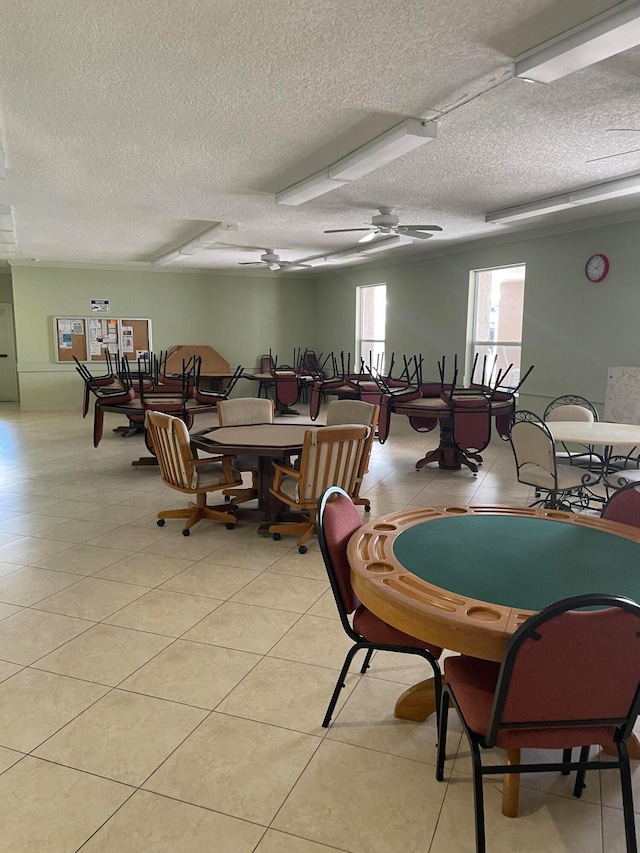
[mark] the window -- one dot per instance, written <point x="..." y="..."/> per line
<point x="498" y="303"/>
<point x="370" y="328"/>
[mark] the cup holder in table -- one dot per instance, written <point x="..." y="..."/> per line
<point x="379" y="568"/>
<point x="384" y="527"/>
<point x="456" y="510"/>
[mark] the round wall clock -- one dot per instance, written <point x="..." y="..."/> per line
<point x="597" y="267"/>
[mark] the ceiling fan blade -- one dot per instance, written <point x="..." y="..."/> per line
<point x="421" y="227"/>
<point x="274" y="267"/>
<point x="294" y="265"/>
<point x="368" y="237"/>
<point x="249" y="263"/>
<point x="345" y="230"/>
<point x="418" y="235"/>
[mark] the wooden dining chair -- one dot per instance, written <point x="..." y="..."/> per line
<point x="356" y="412"/>
<point x="542" y="696"/>
<point x="181" y="470"/>
<point x="330" y="457"/>
<point x="244" y="411"/>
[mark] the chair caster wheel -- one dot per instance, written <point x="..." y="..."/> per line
<point x="277" y="537"/>
<point x="186" y="532"/>
<point x="302" y="549"/>
<point x="367" y="508"/>
<point x="161" y="522"/>
<point x="230" y="525"/>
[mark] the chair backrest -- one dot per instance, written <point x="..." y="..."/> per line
<point x="266" y="363"/>
<point x="356" y="412"/>
<point x="556" y="657"/>
<point x="531" y="441"/>
<point x="170" y="439"/>
<point x="330" y="457"/>
<point x="287" y="386"/>
<point x="338" y="520"/>
<point x="245" y="410"/>
<point x="470" y="423"/>
<point x="570" y="407"/>
<point x="624" y="505"/>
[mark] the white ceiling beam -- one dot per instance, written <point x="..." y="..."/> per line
<point x="586" y="195"/>
<point x="599" y="38"/>
<point x="385" y="148"/>
<point x="207" y="240"/>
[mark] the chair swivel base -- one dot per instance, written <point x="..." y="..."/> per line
<point x="306" y="528"/>
<point x="194" y="513"/>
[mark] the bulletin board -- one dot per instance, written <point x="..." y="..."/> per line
<point x="70" y="338"/>
<point x="104" y="334"/>
<point x="135" y="336"/>
<point x="89" y="338"/>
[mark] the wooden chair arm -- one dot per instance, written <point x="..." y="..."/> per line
<point x="282" y="471"/>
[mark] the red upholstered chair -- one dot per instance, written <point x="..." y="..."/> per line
<point x="470" y="429"/>
<point x="570" y="677"/>
<point x="338" y="519"/>
<point x="624" y="505"/>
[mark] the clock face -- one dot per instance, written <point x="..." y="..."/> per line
<point x="597" y="267"/>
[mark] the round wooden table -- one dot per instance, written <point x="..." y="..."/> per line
<point x="465" y="578"/>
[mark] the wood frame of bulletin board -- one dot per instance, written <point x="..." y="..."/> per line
<point x="87" y="338"/>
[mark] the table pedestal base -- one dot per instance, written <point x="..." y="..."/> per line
<point x="447" y="454"/>
<point x="417" y="702"/>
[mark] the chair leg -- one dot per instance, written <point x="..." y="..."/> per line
<point x="340" y="682"/>
<point x="367" y="661"/>
<point x="478" y="798"/>
<point x="566" y="756"/>
<point x="442" y="736"/>
<point x="580" y="776"/>
<point x="627" y="798"/>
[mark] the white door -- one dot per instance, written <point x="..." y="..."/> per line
<point x="8" y="372"/>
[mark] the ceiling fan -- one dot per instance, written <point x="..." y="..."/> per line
<point x="271" y="260"/>
<point x="386" y="222"/>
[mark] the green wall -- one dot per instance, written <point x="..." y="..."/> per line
<point x="573" y="329"/>
<point x="241" y="316"/>
<point x="6" y="291"/>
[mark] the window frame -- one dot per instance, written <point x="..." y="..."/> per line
<point x="359" y="339"/>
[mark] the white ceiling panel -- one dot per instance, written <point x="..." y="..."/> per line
<point x="130" y="128"/>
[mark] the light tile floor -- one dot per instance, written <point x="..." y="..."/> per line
<point x="159" y="693"/>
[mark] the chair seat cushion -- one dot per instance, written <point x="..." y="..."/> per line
<point x="535" y="475"/>
<point x="375" y="630"/>
<point x="211" y="475"/>
<point x="473" y="682"/>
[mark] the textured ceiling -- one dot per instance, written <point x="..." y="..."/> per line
<point x="129" y="128"/>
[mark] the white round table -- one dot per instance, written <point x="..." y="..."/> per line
<point x="602" y="433"/>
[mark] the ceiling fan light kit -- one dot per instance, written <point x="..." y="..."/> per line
<point x="390" y="145"/>
<point x="603" y="36"/>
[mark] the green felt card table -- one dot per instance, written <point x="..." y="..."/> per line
<point x="465" y="578"/>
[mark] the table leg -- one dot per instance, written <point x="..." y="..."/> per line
<point x="511" y="786"/>
<point x="447" y="454"/>
<point x="417" y="702"/>
<point x="633" y="745"/>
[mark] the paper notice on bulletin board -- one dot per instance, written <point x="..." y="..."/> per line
<point x="127" y="339"/>
<point x="94" y="348"/>
<point x="65" y="340"/>
<point x="77" y="328"/>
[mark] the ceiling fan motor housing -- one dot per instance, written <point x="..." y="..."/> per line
<point x="385" y="219"/>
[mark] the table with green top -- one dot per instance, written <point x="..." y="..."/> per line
<point x="465" y="578"/>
